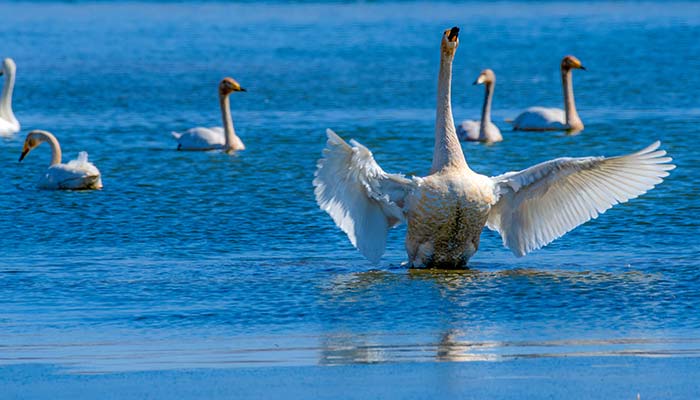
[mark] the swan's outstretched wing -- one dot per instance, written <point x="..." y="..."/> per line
<point x="541" y="203"/>
<point x="363" y="200"/>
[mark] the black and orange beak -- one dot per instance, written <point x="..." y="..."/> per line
<point x="454" y="33"/>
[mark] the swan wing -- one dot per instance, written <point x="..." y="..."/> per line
<point x="363" y="200"/>
<point x="200" y="138"/>
<point x="539" y="204"/>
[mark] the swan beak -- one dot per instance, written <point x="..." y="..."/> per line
<point x="240" y="89"/>
<point x="582" y="67"/>
<point x="24" y="153"/>
<point x="454" y="33"/>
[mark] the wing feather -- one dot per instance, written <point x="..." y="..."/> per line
<point x="539" y="204"/>
<point x="363" y="200"/>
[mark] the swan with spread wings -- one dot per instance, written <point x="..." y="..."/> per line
<point x="447" y="210"/>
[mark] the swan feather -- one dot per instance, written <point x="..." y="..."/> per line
<point x="363" y="200"/>
<point x="540" y="204"/>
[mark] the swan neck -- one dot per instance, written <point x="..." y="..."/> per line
<point x="6" y="96"/>
<point x="229" y="132"/>
<point x="55" y="148"/>
<point x="448" y="151"/>
<point x="486" y="110"/>
<point x="572" y="117"/>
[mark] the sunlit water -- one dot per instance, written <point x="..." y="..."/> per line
<point x="204" y="259"/>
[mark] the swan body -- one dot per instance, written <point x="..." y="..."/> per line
<point x="483" y="130"/>
<point x="541" y="118"/>
<point x="470" y="131"/>
<point x="78" y="174"/>
<point x="214" y="138"/>
<point x="447" y="210"/>
<point x="555" y="119"/>
<point x="8" y="122"/>
<point x="201" y="138"/>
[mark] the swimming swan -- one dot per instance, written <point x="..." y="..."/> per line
<point x="447" y="210"/>
<point x="483" y="130"/>
<point x="215" y="138"/>
<point x="8" y="123"/>
<point x="555" y="119"/>
<point x="78" y="174"/>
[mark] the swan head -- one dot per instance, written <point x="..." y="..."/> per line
<point x="228" y="86"/>
<point x="450" y="40"/>
<point x="8" y="66"/>
<point x="486" y="76"/>
<point x="571" y="62"/>
<point x="34" y="139"/>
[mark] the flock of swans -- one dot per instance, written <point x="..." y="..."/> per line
<point x="446" y="210"/>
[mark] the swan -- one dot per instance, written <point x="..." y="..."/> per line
<point x="555" y="119"/>
<point x="8" y="123"/>
<point x="78" y="174"/>
<point x="215" y="138"/>
<point x="447" y="210"/>
<point x="483" y="130"/>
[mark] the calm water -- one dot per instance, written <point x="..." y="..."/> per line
<point x="204" y="259"/>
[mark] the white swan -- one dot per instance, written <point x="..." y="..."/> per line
<point x="447" y="210"/>
<point x="78" y="174"/>
<point x="555" y="119"/>
<point x="483" y="130"/>
<point x="215" y="138"/>
<point x="8" y="123"/>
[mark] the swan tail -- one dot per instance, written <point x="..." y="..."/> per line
<point x="176" y="135"/>
<point x="82" y="157"/>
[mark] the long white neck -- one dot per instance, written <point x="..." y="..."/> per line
<point x="6" y="97"/>
<point x="55" y="147"/>
<point x="572" y="118"/>
<point x="229" y="132"/>
<point x="447" y="152"/>
<point x="486" y="110"/>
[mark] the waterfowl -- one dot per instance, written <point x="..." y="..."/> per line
<point x="483" y="130"/>
<point x="555" y="119"/>
<point x="215" y="138"/>
<point x="78" y="174"/>
<point x="8" y="123"/>
<point x="447" y="210"/>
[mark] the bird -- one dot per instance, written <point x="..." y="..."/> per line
<point x="447" y="210"/>
<point x="215" y="138"/>
<point x="483" y="130"/>
<point x="555" y="119"/>
<point x="8" y="122"/>
<point x="78" y="174"/>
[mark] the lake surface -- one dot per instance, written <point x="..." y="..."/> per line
<point x="188" y="260"/>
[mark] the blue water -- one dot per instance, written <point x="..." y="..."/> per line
<point x="204" y="259"/>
